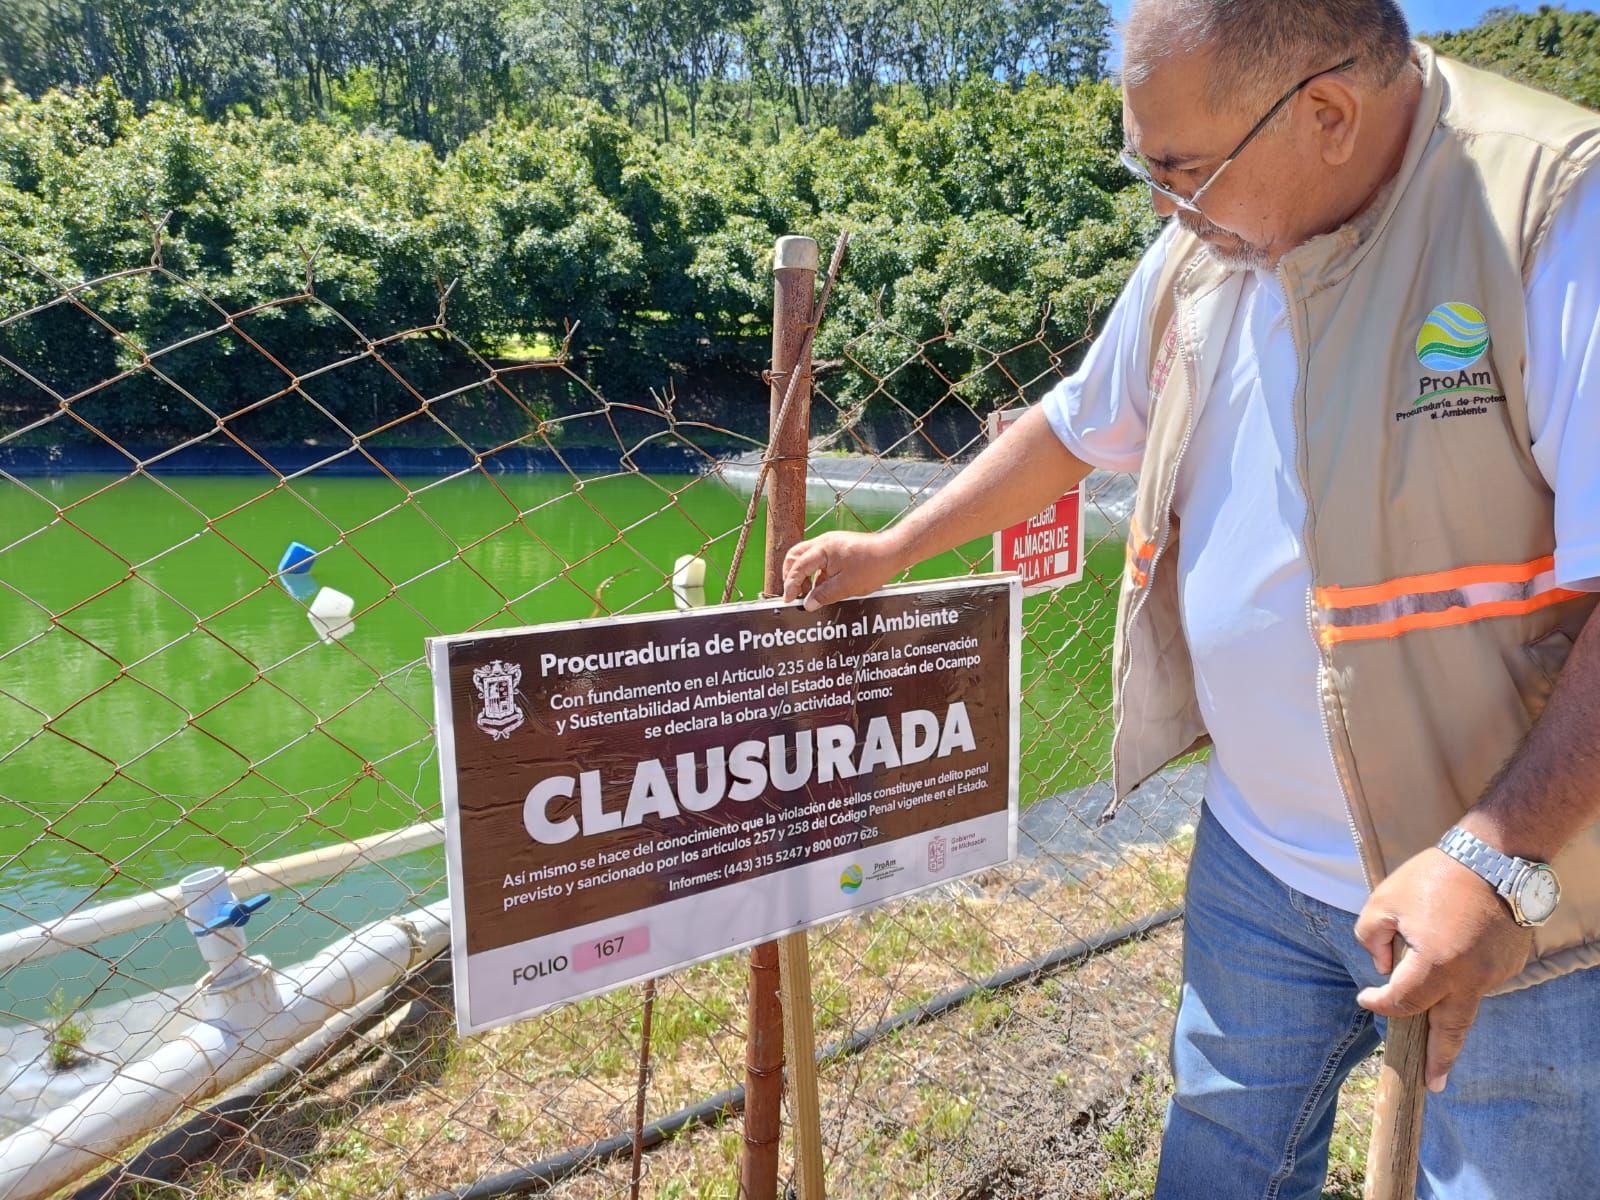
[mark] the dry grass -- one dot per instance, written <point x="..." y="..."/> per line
<point x="1132" y="1136"/>
<point x="943" y="1108"/>
<point x="1052" y="1089"/>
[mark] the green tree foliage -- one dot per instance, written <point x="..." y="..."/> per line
<point x="999" y="215"/>
<point x="1552" y="49"/>
<point x="533" y="151"/>
<point x="438" y="70"/>
<point x="209" y="54"/>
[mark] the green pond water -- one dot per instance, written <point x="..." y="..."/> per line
<point x="165" y="703"/>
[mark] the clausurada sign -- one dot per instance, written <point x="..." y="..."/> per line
<point x="629" y="795"/>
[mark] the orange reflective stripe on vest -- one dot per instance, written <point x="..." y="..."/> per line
<point x="1385" y="610"/>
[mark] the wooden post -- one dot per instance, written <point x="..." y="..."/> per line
<point x="794" y="289"/>
<point x="1397" y="1112"/>
<point x="793" y="296"/>
<point x="795" y="273"/>
<point x="763" y="1079"/>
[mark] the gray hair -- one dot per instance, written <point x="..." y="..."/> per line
<point x="1264" y="46"/>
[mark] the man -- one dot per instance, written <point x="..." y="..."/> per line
<point x="1360" y="375"/>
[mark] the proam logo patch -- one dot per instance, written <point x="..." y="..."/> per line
<point x="1453" y="341"/>
<point x="1455" y="335"/>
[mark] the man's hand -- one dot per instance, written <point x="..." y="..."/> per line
<point x="1462" y="945"/>
<point x="1010" y="481"/>
<point x="839" y="565"/>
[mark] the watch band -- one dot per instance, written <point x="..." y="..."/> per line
<point x="1530" y="889"/>
<point x="1477" y="855"/>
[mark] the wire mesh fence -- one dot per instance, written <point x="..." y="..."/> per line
<point x="226" y="527"/>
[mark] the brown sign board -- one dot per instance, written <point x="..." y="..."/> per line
<point x="626" y="796"/>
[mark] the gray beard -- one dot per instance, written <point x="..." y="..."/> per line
<point x="1246" y="258"/>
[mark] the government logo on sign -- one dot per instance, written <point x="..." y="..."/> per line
<point x="497" y="682"/>
<point x="850" y="879"/>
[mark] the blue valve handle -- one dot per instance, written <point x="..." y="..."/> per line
<point x="239" y="914"/>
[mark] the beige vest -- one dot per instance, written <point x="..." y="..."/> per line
<point x="1430" y="529"/>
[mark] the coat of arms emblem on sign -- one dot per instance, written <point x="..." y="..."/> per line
<point x="497" y="685"/>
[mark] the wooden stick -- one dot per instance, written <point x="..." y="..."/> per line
<point x="1397" y="1115"/>
<point x="800" y="1044"/>
<point x="643" y="1090"/>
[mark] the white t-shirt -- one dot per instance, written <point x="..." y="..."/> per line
<point x="1243" y="574"/>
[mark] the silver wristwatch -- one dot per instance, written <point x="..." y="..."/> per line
<point x="1529" y="888"/>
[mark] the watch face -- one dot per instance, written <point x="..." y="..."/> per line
<point x="1538" y="895"/>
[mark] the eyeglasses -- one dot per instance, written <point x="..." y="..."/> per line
<point x="1140" y="169"/>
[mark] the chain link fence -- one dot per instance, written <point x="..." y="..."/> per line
<point x="226" y="529"/>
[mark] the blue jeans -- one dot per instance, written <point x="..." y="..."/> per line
<point x="1269" y="1028"/>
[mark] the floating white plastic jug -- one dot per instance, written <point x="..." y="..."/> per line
<point x="689" y="582"/>
<point x="330" y="614"/>
<point x="689" y="572"/>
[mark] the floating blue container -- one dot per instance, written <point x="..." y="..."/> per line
<point x="297" y="559"/>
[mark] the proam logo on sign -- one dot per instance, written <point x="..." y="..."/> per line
<point x="1452" y="341"/>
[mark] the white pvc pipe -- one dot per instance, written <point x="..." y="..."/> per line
<point x="207" y="896"/>
<point x="92" y="925"/>
<point x="89" y="1130"/>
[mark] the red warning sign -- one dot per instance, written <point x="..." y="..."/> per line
<point x="1047" y="549"/>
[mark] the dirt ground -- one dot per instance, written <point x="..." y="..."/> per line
<point x="1052" y="1088"/>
